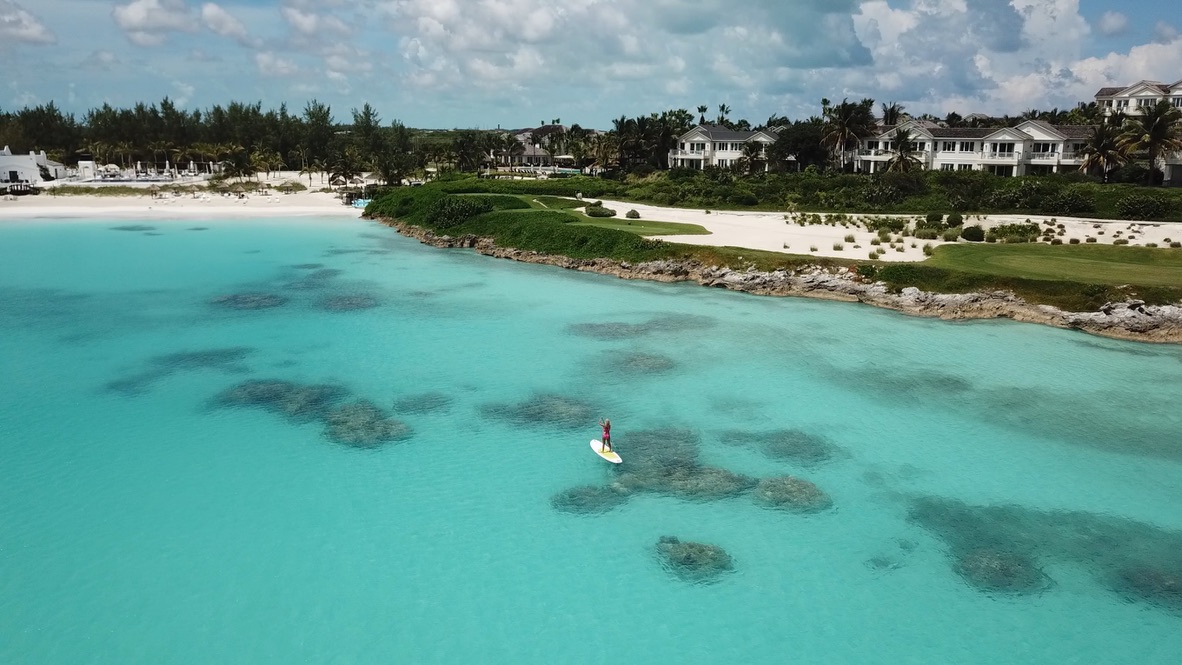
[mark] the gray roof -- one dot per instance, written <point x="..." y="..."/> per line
<point x="720" y="133"/>
<point x="1108" y="92"/>
<point x="1076" y="131"/>
<point x="962" y="132"/>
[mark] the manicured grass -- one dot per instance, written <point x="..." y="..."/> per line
<point x="556" y="202"/>
<point x="1094" y="264"/>
<point x="644" y="227"/>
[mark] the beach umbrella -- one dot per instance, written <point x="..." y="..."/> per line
<point x="238" y="189"/>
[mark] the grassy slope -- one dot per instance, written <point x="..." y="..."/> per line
<point x="1099" y="264"/>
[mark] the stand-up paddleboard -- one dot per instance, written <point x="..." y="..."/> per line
<point x="610" y="455"/>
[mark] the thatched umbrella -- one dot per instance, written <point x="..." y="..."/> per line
<point x="238" y="189"/>
<point x="154" y="189"/>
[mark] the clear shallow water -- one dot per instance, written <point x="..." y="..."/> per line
<point x="141" y="523"/>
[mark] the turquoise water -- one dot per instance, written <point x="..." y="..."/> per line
<point x="143" y="521"/>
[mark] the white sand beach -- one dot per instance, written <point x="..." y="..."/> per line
<point x="166" y="205"/>
<point x="770" y="232"/>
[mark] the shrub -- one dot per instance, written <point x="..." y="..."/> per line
<point x="1069" y="201"/>
<point x="1176" y="244"/>
<point x="597" y="210"/>
<point x="837" y="247"/>
<point x="927" y="234"/>
<point x="1151" y="244"/>
<point x="1028" y="230"/>
<point x="873" y="254"/>
<point x="1120" y="241"/>
<point x="850" y="238"/>
<point x="451" y="211"/>
<point x="951" y="235"/>
<point x="1073" y="241"/>
<point x="812" y="248"/>
<point x="928" y="249"/>
<point x="1056" y="241"/>
<point x="875" y="241"/>
<point x="1016" y="240"/>
<point x="632" y="214"/>
<point x="954" y="219"/>
<point x="1090" y="240"/>
<point x="973" y="233"/>
<point x="1142" y="206"/>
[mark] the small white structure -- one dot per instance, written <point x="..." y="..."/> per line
<point x="30" y="169"/>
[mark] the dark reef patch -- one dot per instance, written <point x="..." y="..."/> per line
<point x="140" y="228"/>
<point x="999" y="548"/>
<point x="294" y="401"/>
<point x="641" y="364"/>
<point x="422" y="403"/>
<point x="362" y="424"/>
<point x="792" y="494"/>
<point x="794" y="445"/>
<point x="249" y="301"/>
<point x="197" y="228"/>
<point x="348" y="303"/>
<point x="153" y="233"/>
<point x="308" y="266"/>
<point x="588" y="500"/>
<point x="698" y="483"/>
<point x="614" y="330"/>
<point x="229" y="360"/>
<point x="315" y="280"/>
<point x="544" y="410"/>
<point x="693" y="562"/>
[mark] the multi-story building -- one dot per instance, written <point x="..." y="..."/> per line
<point x="1031" y="148"/>
<point x="1141" y="94"/>
<point x="715" y="145"/>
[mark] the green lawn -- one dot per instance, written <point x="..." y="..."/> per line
<point x="643" y="227"/>
<point x="1089" y="264"/>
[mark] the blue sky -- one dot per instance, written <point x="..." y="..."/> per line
<point x="514" y="63"/>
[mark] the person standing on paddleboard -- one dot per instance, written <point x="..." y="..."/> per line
<point x="606" y="424"/>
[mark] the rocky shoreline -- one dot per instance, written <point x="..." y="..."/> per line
<point x="1131" y="320"/>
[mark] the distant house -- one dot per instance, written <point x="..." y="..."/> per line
<point x="1131" y="99"/>
<point x="715" y="145"/>
<point x="1033" y="147"/>
<point x="29" y="169"/>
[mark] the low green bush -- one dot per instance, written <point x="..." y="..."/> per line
<point x="452" y="211"/>
<point x="1056" y="241"/>
<point x="1090" y="240"/>
<point x="597" y="210"/>
<point x="837" y="247"/>
<point x="954" y="219"/>
<point x="632" y="214"/>
<point x="951" y="235"/>
<point x="850" y="238"/>
<point x="1176" y="244"/>
<point x="1120" y="241"/>
<point x="1142" y="206"/>
<point x="927" y="234"/>
<point x="1073" y="241"/>
<point x="973" y="233"/>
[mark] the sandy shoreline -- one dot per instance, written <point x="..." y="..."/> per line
<point x="166" y="205"/>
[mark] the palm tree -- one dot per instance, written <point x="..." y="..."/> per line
<point x="1157" y="131"/>
<point x="753" y="157"/>
<point x="845" y="123"/>
<point x="702" y="113"/>
<point x="1103" y="151"/>
<point x="904" y="159"/>
<point x="308" y="170"/>
<point x="158" y="147"/>
<point x="723" y="112"/>
<point x="892" y="113"/>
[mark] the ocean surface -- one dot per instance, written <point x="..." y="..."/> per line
<point x="180" y="484"/>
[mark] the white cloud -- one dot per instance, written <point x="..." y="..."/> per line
<point x="1164" y="33"/>
<point x="270" y="64"/>
<point x="1113" y="23"/>
<point x="311" y="24"/>
<point x="148" y="22"/>
<point x="221" y="22"/>
<point x="184" y="93"/>
<point x="18" y="25"/>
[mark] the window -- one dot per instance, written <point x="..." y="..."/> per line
<point x="968" y="146"/>
<point x="872" y="145"/>
<point x="1122" y="103"/>
<point x="683" y="146"/>
<point x="1002" y="148"/>
<point x="964" y="167"/>
<point x="947" y="167"/>
<point x="1108" y="103"/>
<point x="737" y="147"/>
<point x="948" y="146"/>
<point x="1146" y="101"/>
<point x="722" y="162"/>
<point x="1045" y="148"/>
<point x="1176" y="102"/>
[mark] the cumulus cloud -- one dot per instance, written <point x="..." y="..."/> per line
<point x="148" y="22"/>
<point x="1113" y="23"/>
<point x="221" y="22"/>
<point x="498" y="43"/>
<point x="1164" y="33"/>
<point x="312" y="24"/>
<point x="270" y="64"/>
<point x="18" y="25"/>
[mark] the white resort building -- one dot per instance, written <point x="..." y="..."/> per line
<point x="1141" y="94"/>
<point x="715" y="145"/>
<point x="29" y="169"/>
<point x="1032" y="148"/>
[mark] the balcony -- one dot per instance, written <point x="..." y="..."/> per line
<point x="1043" y="156"/>
<point x="688" y="154"/>
<point x="1001" y="156"/>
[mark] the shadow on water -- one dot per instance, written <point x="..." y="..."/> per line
<point x="1002" y="549"/>
<point x="227" y="360"/>
<point x="133" y="228"/>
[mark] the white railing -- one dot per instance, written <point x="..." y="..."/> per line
<point x="1044" y="155"/>
<point x="1000" y="155"/>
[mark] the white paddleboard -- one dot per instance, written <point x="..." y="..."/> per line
<point x="610" y="455"/>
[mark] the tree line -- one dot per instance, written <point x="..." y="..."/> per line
<point x="243" y="139"/>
